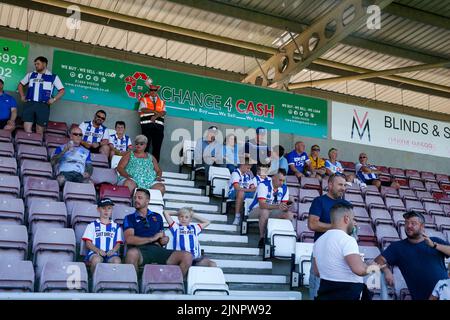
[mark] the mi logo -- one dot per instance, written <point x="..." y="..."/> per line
<point x="360" y="126"/>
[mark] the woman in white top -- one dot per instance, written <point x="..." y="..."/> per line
<point x="333" y="166"/>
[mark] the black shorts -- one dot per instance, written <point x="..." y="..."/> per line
<point x="36" y="111"/>
<point x="152" y="253"/>
<point x="95" y="150"/>
<point x="72" y="176"/>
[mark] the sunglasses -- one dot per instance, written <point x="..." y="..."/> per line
<point x="363" y="157"/>
<point x="100" y="117"/>
<point x="154" y="90"/>
<point x="315" y="149"/>
<point x="140" y="143"/>
<point x="146" y="225"/>
<point x="77" y="134"/>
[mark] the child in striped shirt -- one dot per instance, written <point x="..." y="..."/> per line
<point x="103" y="237"/>
<point x="185" y="235"/>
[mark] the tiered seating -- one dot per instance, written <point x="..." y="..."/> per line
<point x="110" y="277"/>
<point x="380" y="216"/>
<point x="303" y="210"/>
<point x="13" y="242"/>
<point x="310" y="183"/>
<point x="23" y="137"/>
<point x="304" y="234"/>
<point x="43" y="213"/>
<point x="99" y="160"/>
<point x="206" y="281"/>
<point x="8" y="165"/>
<point x="118" y="194"/>
<point x="281" y="238"/>
<point x="16" y="276"/>
<point x="11" y="210"/>
<point x="57" y="128"/>
<point x="6" y="149"/>
<point x="104" y="175"/>
<point x="308" y="195"/>
<point x="5" y="136"/>
<point x="36" y="168"/>
<point x="56" y="277"/>
<point x="159" y="279"/>
<point x="303" y="252"/>
<point x="31" y="152"/>
<point x="82" y="214"/>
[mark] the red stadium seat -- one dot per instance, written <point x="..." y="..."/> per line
<point x="116" y="193"/>
<point x="49" y="214"/>
<point x="36" y="168"/>
<point x="348" y="166"/>
<point x="303" y="232"/>
<point x="9" y="186"/>
<point x="110" y="277"/>
<point x="397" y="173"/>
<point x="355" y="199"/>
<point x="292" y="181"/>
<point x="83" y="213"/>
<point x="54" y="141"/>
<point x="16" y="276"/>
<point x="303" y="210"/>
<point x="386" y="234"/>
<point x="6" y="149"/>
<point x="5" y="136"/>
<point x="381" y="216"/>
<point x="310" y="183"/>
<point x="428" y="176"/>
<point x="40" y="187"/>
<point x="26" y="151"/>
<point x="157" y="279"/>
<point x="120" y="211"/>
<point x="374" y="202"/>
<point x="395" y="204"/>
<point x="407" y="194"/>
<point x="104" y="175"/>
<point x="433" y="208"/>
<point x="13" y="242"/>
<point x="366" y="235"/>
<point x="11" y="211"/>
<point x="56" y="277"/>
<point x="412" y="174"/>
<point x="23" y="137"/>
<point x="99" y="160"/>
<point x="8" y="165"/>
<point x="57" y="127"/>
<point x="361" y="214"/>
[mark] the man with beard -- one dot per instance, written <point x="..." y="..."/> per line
<point x="419" y="258"/>
<point x="144" y="235"/>
<point x="337" y="260"/>
<point x="319" y="219"/>
<point x="95" y="134"/>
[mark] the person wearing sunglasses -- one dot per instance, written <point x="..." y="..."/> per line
<point x="96" y="135"/>
<point x="152" y="111"/>
<point x="140" y="169"/>
<point x="368" y="174"/>
<point x="72" y="160"/>
<point x="317" y="164"/>
<point x="333" y="166"/>
<point x="145" y="238"/>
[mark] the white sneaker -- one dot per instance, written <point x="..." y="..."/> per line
<point x="237" y="220"/>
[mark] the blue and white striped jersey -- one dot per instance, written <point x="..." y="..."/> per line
<point x="103" y="236"/>
<point x="185" y="238"/>
<point x="92" y="134"/>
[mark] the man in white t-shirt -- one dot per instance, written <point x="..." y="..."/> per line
<point x="337" y="259"/>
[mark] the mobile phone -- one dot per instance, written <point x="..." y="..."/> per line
<point x="289" y="202"/>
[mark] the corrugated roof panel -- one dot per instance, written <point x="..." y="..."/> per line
<point x="438" y="7"/>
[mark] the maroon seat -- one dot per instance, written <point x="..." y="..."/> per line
<point x="355" y="199"/>
<point x="57" y="276"/>
<point x="374" y="202"/>
<point x="325" y="184"/>
<point x="41" y="187"/>
<point x="26" y="151"/>
<point x="57" y="127"/>
<point x="6" y="149"/>
<point x="23" y="137"/>
<point x="303" y="232"/>
<point x="380" y="216"/>
<point x="441" y="197"/>
<point x="414" y="205"/>
<point x="43" y="213"/>
<point x="397" y="173"/>
<point x="5" y="136"/>
<point x="120" y="211"/>
<point x="79" y="191"/>
<point x="116" y="193"/>
<point x="425" y="196"/>
<point x="292" y="181"/>
<point x="9" y="185"/>
<point x="303" y="210"/>
<point x="447" y="234"/>
<point x="310" y="183"/>
<point x="293" y="193"/>
<point x="407" y="194"/>
<point x="52" y="244"/>
<point x="433" y="208"/>
<point x="83" y="213"/>
<point x="348" y="166"/>
<point x="308" y="195"/>
<point x="8" y="165"/>
<point x="398" y="219"/>
<point x="435" y="233"/>
<point x="442" y="223"/>
<point x="16" y="276"/>
<point x="416" y="185"/>
<point x="353" y="188"/>
<point x="366" y="235"/>
<point x="395" y="204"/>
<point x="427" y="176"/>
<point x="99" y="160"/>
<point x="446" y="208"/>
<point x="442" y="178"/>
<point x="386" y="234"/>
<point x="412" y="174"/>
<point x="104" y="175"/>
<point x="13" y="242"/>
<point x="54" y="141"/>
<point x="403" y="182"/>
<point x="36" y="168"/>
<point x="11" y="211"/>
<point x="370" y="191"/>
<point x="432" y="187"/>
<point x="110" y="277"/>
<point x="361" y="214"/>
<point x="162" y="279"/>
<point x="370" y="252"/>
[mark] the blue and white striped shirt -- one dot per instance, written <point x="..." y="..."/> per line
<point x="185" y="238"/>
<point x="103" y="236"/>
<point x="92" y="134"/>
<point x="120" y="144"/>
<point x="40" y="85"/>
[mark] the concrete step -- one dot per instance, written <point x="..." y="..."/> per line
<point x="231" y="250"/>
<point x="285" y="295"/>
<point x="222" y="238"/>
<point x="186" y="198"/>
<point x="197" y="207"/>
<point x="213" y="227"/>
<point x="178" y="182"/>
<point x="244" y="264"/>
<point x="257" y="287"/>
<point x="184" y="190"/>
<point x="255" y="278"/>
<point x="175" y="175"/>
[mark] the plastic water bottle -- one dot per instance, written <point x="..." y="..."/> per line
<point x="355" y="233"/>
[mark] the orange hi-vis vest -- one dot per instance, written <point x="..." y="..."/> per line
<point x="159" y="106"/>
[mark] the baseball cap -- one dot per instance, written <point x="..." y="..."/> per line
<point x="105" y="202"/>
<point x="260" y="130"/>
<point x="1" y="80"/>
<point x="411" y="214"/>
<point x="212" y="128"/>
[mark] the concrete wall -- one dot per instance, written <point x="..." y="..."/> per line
<point x="75" y="112"/>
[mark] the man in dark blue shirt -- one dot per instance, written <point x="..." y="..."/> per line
<point x="8" y="110"/>
<point x="298" y="160"/>
<point x="319" y="219"/>
<point x="144" y="235"/>
<point x="419" y="258"/>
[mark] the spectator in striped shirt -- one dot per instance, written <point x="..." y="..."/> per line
<point x="119" y="142"/>
<point x="103" y="237"/>
<point x="95" y="134"/>
<point x="333" y="166"/>
<point x="185" y="235"/>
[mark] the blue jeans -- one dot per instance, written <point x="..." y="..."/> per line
<point x="314" y="282"/>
